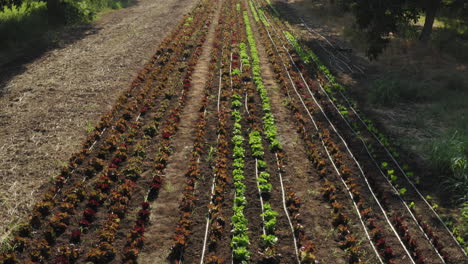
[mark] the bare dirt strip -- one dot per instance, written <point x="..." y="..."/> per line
<point x="45" y="110"/>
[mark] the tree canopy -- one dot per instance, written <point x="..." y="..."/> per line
<point x="379" y="19"/>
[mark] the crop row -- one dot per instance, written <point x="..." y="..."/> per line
<point x="268" y="215"/>
<point x="270" y="132"/>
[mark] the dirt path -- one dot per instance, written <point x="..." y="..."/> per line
<point x="166" y="213"/>
<point x="46" y="109"/>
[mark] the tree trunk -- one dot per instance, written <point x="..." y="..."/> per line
<point x="431" y="11"/>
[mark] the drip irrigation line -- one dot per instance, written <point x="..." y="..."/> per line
<point x="219" y="89"/>
<point x="208" y="218"/>
<point x="260" y="195"/>
<point x="230" y="70"/>
<point x="245" y="103"/>
<point x="283" y="198"/>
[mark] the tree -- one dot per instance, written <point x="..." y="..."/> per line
<point x="379" y="19"/>
<point x="9" y="3"/>
<point x="430" y="8"/>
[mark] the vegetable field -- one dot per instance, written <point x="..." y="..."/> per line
<point x="234" y="144"/>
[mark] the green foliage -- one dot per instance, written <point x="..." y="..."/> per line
<point x="269" y="240"/>
<point x="262" y="17"/>
<point x="402" y="191"/>
<point x="26" y="23"/>
<point x="395" y="88"/>
<point x="21" y="23"/>
<point x="265" y="187"/>
<point x="255" y="141"/>
<point x="236" y="72"/>
<point x="449" y="156"/>
<point x="261" y="164"/>
<point x="254" y="12"/>
<point x="379" y="21"/>
<point x="240" y="239"/>
<point x="272" y="7"/>
<point x="241" y="254"/>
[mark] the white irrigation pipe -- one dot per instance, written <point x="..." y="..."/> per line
<point x="219" y="90"/>
<point x="245" y="103"/>
<point x="208" y="218"/>
<point x="230" y="71"/>
<point x="283" y="196"/>
<point x="329" y="157"/>
<point x="383" y="174"/>
<point x="260" y="195"/>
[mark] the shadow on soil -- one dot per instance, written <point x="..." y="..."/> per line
<point x="16" y="64"/>
<point x="13" y="60"/>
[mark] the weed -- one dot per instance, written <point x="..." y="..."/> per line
<point x="449" y="155"/>
<point x="210" y="155"/>
<point x="168" y="187"/>
<point x="394" y="88"/>
<point x="383" y="91"/>
<point x="312" y="192"/>
<point x="89" y="127"/>
<point x="7" y="244"/>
